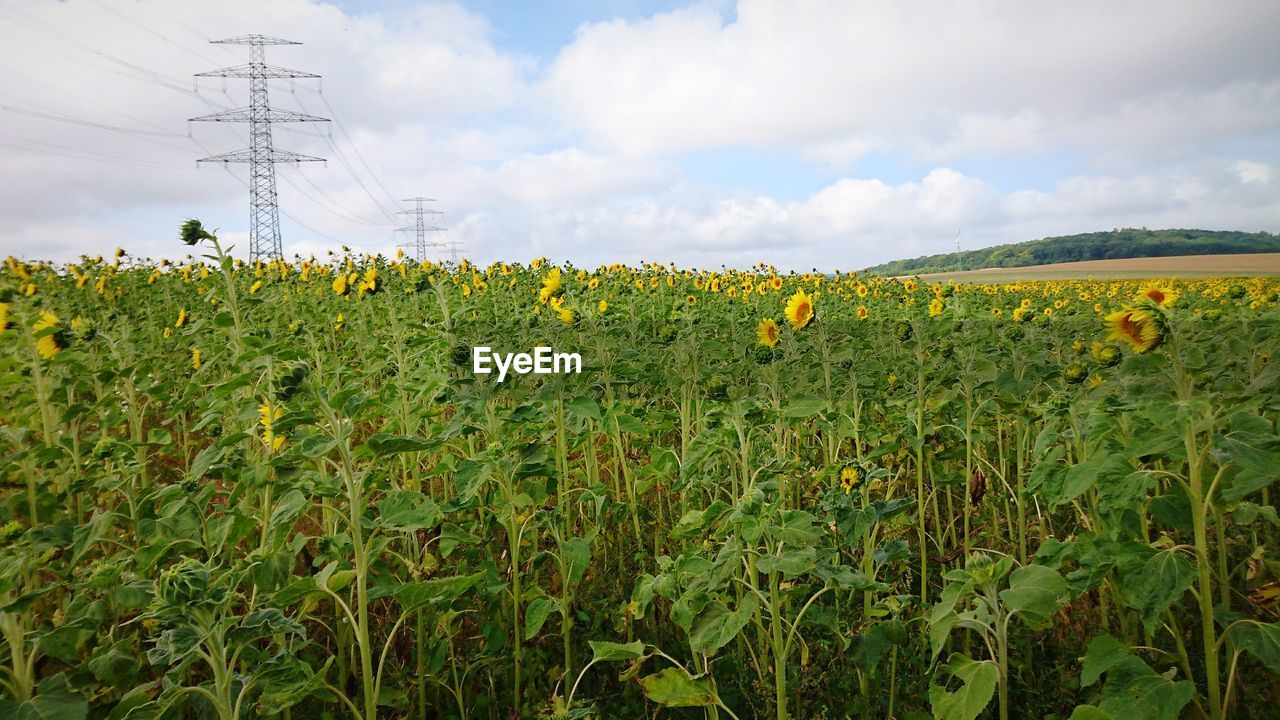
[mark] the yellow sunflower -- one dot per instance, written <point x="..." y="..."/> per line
<point x="4" y="316"/>
<point x="863" y="313"/>
<point x="550" y="285"/>
<point x="848" y="478"/>
<point x="195" y="359"/>
<point x="768" y="333"/>
<point x="1135" y="326"/>
<point x="799" y="310"/>
<point x="47" y="344"/>
<point x="1161" y="295"/>
<point x="268" y="414"/>
<point x="565" y="313"/>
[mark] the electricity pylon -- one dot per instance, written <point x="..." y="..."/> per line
<point x="264" y="210"/>
<point x="420" y="227"/>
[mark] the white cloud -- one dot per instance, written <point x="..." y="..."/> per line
<point x="943" y="79"/>
<point x="1167" y="114"/>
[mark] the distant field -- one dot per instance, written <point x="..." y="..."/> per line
<point x="1189" y="266"/>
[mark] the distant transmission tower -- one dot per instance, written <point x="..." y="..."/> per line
<point x="264" y="210"/>
<point x="420" y="227"/>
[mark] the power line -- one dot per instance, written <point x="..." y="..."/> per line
<point x="62" y="151"/>
<point x="347" y="165"/>
<point x="86" y="123"/>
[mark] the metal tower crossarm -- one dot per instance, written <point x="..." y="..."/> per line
<point x="248" y="71"/>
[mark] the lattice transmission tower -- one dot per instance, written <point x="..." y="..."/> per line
<point x="421" y="226"/>
<point x="264" y="209"/>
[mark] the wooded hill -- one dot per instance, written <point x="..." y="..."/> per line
<point x="1110" y="245"/>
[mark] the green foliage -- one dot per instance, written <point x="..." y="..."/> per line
<point x="1108" y="245"/>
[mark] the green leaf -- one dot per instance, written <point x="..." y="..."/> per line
<point x="1161" y="582"/>
<point x="674" y="687"/>
<point x="286" y="511"/>
<point x="406" y="511"/>
<point x="603" y="651"/>
<point x="118" y="665"/>
<point x="717" y="625"/>
<point x="1103" y="653"/>
<point x="54" y="700"/>
<point x="382" y="444"/>
<point x="440" y="590"/>
<point x="263" y="623"/>
<point x="1103" y="470"/>
<point x="803" y="407"/>
<point x="1033" y="594"/>
<point x="1090" y="712"/>
<point x="286" y="681"/>
<point x="1134" y="690"/>
<point x="578" y="553"/>
<point x="978" y="680"/>
<point x="1260" y="641"/>
<point x="536" y="615"/>
<point x="791" y="563"/>
<point x="1253" y="451"/>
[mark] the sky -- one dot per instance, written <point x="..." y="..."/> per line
<point x="807" y="133"/>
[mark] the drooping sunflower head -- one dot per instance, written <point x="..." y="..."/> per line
<point x="799" y="310"/>
<point x="1138" y="327"/>
<point x="1157" y="294"/>
<point x="192" y="232"/>
<point x="768" y="333"/>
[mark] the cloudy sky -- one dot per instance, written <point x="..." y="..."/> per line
<point x="829" y="134"/>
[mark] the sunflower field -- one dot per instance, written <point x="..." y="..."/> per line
<point x="240" y="490"/>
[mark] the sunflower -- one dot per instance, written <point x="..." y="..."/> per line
<point x="863" y="313"/>
<point x="691" y="300"/>
<point x="768" y="333"/>
<point x="195" y="359"/>
<point x="848" y="478"/>
<point x="935" y="307"/>
<point x="1161" y="296"/>
<point x="182" y="318"/>
<point x="256" y="287"/>
<point x="268" y="414"/>
<point x="340" y="286"/>
<point x="550" y="285"/>
<point x="603" y="306"/>
<point x="47" y="344"/>
<point x="799" y="310"/>
<point x="4" y="316"/>
<point x="565" y="313"/>
<point x="1135" y="326"/>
